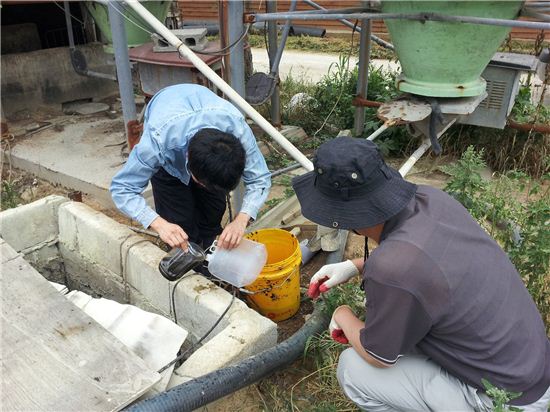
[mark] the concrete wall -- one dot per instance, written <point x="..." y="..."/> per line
<point x="46" y="77"/>
<point x="108" y="259"/>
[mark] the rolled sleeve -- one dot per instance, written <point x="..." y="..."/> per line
<point x="256" y="176"/>
<point x="129" y="183"/>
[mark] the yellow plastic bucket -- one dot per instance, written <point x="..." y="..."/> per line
<point x="277" y="288"/>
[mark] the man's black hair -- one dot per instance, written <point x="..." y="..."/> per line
<point x="216" y="159"/>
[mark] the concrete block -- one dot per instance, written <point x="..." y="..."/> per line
<point x="247" y="334"/>
<point x="294" y="133"/>
<point x="200" y="303"/>
<point x="141" y="272"/>
<point x="95" y="236"/>
<point x="91" y="278"/>
<point x="29" y="225"/>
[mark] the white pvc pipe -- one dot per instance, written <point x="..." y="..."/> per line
<point x="220" y="84"/>
<point x="407" y="166"/>
<point x="378" y="132"/>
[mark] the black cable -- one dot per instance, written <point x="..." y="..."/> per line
<point x="203" y="337"/>
<point x="219" y="52"/>
<point x="173" y="300"/>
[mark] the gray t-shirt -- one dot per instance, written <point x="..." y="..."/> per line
<point x="438" y="283"/>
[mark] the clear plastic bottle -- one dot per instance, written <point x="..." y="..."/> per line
<point x="239" y="266"/>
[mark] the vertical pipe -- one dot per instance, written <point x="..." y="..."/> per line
<point x="271" y="7"/>
<point x="69" y="23"/>
<point x="124" y="73"/>
<point x="236" y="26"/>
<point x="363" y="80"/>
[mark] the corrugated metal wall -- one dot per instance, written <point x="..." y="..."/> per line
<point x="203" y="10"/>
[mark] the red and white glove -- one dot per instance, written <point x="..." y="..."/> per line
<point x="329" y="276"/>
<point x="336" y="332"/>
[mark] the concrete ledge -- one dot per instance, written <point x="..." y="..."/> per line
<point x="27" y="226"/>
<point x="95" y="236"/>
<point x="247" y="334"/>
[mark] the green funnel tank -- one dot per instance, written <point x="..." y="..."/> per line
<point x="133" y="23"/>
<point x="446" y="59"/>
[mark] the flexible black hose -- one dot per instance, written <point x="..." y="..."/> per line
<point x="205" y="389"/>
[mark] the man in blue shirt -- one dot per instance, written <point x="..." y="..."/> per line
<point x="194" y="149"/>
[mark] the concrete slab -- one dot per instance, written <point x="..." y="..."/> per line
<point x="84" y="155"/>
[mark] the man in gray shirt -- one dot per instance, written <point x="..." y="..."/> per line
<point x="445" y="306"/>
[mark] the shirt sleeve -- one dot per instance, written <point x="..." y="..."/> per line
<point x="256" y="176"/>
<point x="395" y="322"/>
<point x="129" y="183"/>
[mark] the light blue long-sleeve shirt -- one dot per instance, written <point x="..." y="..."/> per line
<point x="172" y="118"/>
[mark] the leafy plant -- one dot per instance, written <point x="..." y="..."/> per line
<point x="500" y="397"/>
<point x="9" y="197"/>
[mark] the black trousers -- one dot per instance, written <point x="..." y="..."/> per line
<point x="196" y="209"/>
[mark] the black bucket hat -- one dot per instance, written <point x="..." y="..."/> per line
<point x="351" y="186"/>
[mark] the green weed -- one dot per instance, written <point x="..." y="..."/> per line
<point x="9" y="197"/>
<point x="500" y="397"/>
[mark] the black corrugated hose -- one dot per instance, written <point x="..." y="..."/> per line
<point x="205" y="389"/>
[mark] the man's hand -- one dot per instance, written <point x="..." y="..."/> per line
<point x="336" y="332"/>
<point x="233" y="232"/>
<point x="331" y="275"/>
<point x="170" y="233"/>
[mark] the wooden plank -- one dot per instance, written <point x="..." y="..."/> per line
<point x="57" y="358"/>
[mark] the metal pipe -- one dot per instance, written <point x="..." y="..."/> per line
<point x="235" y="11"/>
<point x="220" y="83"/>
<point x="236" y="28"/>
<point x="284" y="36"/>
<point x="69" y="24"/>
<point x="271" y="7"/>
<point x="416" y="16"/>
<point x="527" y="127"/>
<point x="77" y="58"/>
<point x="349" y="24"/>
<point x="124" y="73"/>
<point x="535" y="13"/>
<point x="407" y="166"/>
<point x="363" y="76"/>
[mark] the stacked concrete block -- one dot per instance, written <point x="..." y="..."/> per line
<point x="25" y="227"/>
<point x="103" y="257"/>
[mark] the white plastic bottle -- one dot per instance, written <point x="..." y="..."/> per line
<point x="239" y="266"/>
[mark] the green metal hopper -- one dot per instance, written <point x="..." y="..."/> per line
<point x="446" y="59"/>
<point x="135" y="35"/>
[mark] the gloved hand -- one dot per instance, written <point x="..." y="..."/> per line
<point x="336" y="332"/>
<point x="329" y="276"/>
